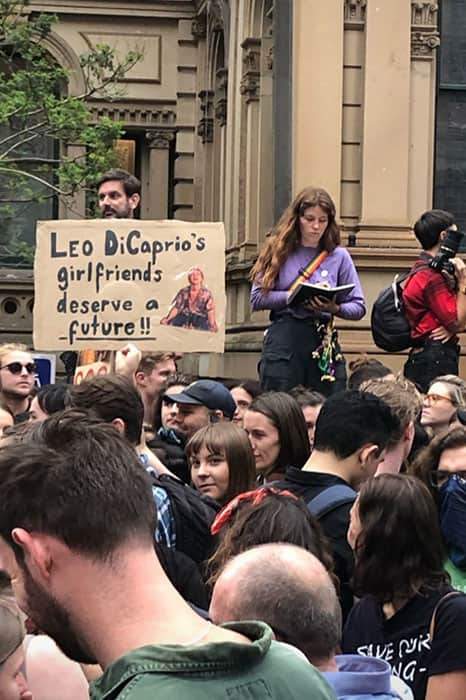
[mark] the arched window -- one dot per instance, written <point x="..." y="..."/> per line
<point x="23" y="149"/>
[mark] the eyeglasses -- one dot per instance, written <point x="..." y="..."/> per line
<point x="17" y="367"/>
<point x="435" y="398"/>
<point x="439" y="477"/>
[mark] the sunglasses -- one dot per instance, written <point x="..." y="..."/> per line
<point x="17" y="367"/>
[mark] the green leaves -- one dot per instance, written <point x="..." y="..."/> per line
<point x="39" y="119"/>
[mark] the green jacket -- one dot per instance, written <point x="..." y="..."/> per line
<point x="263" y="670"/>
<point x="458" y="576"/>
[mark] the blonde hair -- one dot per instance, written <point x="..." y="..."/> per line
<point x="6" y="348"/>
<point x="399" y="394"/>
<point x="195" y="269"/>
<point x="150" y="359"/>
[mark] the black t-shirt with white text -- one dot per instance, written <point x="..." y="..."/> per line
<point x="403" y="639"/>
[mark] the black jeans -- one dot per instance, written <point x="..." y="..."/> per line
<point x="287" y="358"/>
<point x="432" y="360"/>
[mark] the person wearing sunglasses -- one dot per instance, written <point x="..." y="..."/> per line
<point x="168" y="443"/>
<point x="442" y="467"/>
<point x="444" y="396"/>
<point x="17" y="377"/>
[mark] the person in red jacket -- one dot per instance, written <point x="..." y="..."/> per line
<point x="435" y="304"/>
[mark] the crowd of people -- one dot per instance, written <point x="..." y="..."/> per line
<point x="300" y="536"/>
<point x="149" y="517"/>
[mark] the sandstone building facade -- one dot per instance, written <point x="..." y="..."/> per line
<point x="237" y="104"/>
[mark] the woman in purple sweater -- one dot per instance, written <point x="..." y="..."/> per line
<point x="301" y="345"/>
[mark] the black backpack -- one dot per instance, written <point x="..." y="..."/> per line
<point x="193" y="513"/>
<point x="390" y="328"/>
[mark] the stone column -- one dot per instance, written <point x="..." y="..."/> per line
<point x="318" y="94"/>
<point x="205" y="131"/>
<point x="234" y="204"/>
<point x="385" y="144"/>
<point x="155" y="193"/>
<point x="220" y="120"/>
<point x="249" y="89"/>
<point x="424" y="42"/>
<point x="281" y="57"/>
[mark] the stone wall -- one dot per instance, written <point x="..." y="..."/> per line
<point x="205" y="104"/>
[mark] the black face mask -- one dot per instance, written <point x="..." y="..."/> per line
<point x="452" y="497"/>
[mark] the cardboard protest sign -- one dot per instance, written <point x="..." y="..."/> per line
<point x="102" y="283"/>
<point x="85" y="372"/>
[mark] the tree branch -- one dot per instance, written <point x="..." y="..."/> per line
<point x="16" y="145"/>
<point x="19" y="134"/>
<point x="36" y="178"/>
<point x="31" y="159"/>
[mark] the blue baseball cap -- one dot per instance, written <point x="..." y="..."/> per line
<point x="209" y="393"/>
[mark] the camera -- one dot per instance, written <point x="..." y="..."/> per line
<point x="448" y="250"/>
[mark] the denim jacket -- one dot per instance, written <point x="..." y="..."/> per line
<point x="261" y="670"/>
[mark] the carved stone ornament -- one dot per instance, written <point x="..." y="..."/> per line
<point x="221" y="110"/>
<point x="215" y="15"/>
<point x="249" y="87"/>
<point x="425" y="37"/>
<point x="221" y="89"/>
<point x="424" y="13"/>
<point x="269" y="59"/>
<point x="199" y="27"/>
<point x="134" y="115"/>
<point x="250" y="81"/>
<point x="205" y="128"/>
<point x="355" y="13"/>
<point x="159" y="138"/>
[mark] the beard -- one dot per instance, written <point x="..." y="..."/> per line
<point x="122" y="213"/>
<point x="16" y="394"/>
<point x="54" y="619"/>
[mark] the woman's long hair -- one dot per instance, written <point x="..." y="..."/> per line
<point x="285" y="237"/>
<point x="399" y="551"/>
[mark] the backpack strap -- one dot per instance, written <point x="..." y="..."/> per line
<point x="404" y="277"/>
<point x="331" y="498"/>
<point x="451" y="594"/>
<point x="403" y="281"/>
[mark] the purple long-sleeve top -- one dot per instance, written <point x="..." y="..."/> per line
<point x="336" y="269"/>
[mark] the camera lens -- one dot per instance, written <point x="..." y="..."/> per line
<point x="451" y="243"/>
